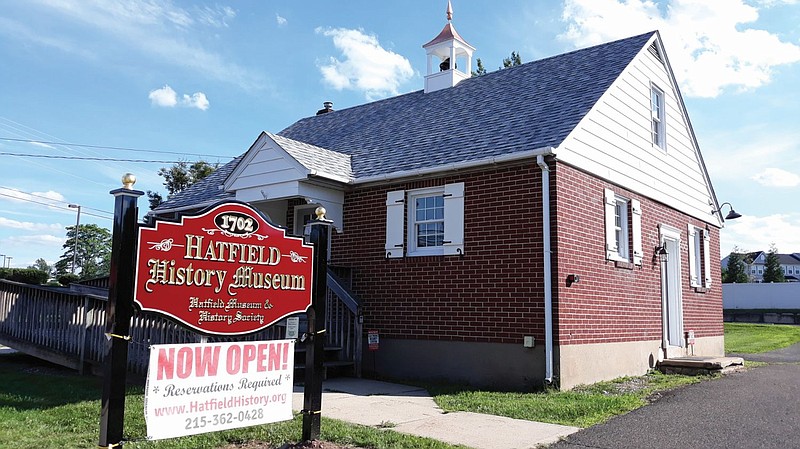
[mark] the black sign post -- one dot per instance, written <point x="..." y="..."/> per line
<point x="119" y="311"/>
<point x="315" y="343"/>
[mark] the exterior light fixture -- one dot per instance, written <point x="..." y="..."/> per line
<point x="572" y="279"/>
<point x="732" y="215"/>
<point x="661" y="253"/>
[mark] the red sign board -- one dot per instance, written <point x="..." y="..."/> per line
<point x="226" y="271"/>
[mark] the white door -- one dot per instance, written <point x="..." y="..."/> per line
<point x="672" y="308"/>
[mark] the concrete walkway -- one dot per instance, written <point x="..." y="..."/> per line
<point x="411" y="410"/>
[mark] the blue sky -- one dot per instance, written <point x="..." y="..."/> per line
<point x="192" y="80"/>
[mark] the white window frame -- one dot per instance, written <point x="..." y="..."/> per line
<point x="619" y="237"/>
<point x="413" y="249"/>
<point x="699" y="257"/>
<point x="621" y="226"/>
<point x="401" y="230"/>
<point x="658" y="122"/>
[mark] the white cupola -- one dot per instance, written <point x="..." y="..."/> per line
<point x="449" y="57"/>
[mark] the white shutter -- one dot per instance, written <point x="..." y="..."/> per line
<point x="636" y="231"/>
<point x="611" y="239"/>
<point x="454" y="219"/>
<point x="694" y="281"/>
<point x="395" y="219"/>
<point x="707" y="258"/>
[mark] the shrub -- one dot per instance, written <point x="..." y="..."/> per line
<point x="28" y="276"/>
<point x="5" y="273"/>
<point x="66" y="279"/>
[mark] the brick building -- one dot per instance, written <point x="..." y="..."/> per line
<point x="550" y="222"/>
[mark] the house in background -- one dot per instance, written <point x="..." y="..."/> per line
<point x="756" y="264"/>
<point x="552" y="222"/>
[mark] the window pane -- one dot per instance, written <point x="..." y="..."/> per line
<point x="429" y="220"/>
<point x="430" y="234"/>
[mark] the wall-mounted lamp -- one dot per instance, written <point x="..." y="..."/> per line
<point x="731" y="215"/>
<point x="661" y="253"/>
<point x="572" y="279"/>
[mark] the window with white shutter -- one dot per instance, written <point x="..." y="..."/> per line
<point x="699" y="257"/>
<point x="623" y="228"/>
<point x="707" y="257"/>
<point x="435" y="221"/>
<point x="395" y="208"/>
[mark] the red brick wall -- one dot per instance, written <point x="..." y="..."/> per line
<point x="492" y="294"/>
<point x="615" y="304"/>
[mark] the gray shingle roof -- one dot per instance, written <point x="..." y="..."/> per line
<point x="316" y="158"/>
<point x="522" y="108"/>
<point x="531" y="106"/>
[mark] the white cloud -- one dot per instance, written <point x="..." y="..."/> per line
<point x="775" y="177"/>
<point x="157" y="29"/>
<point x="219" y="16"/>
<point x="366" y="66"/>
<point x="29" y="226"/>
<point x="710" y="46"/>
<point x="281" y="20"/>
<point x="42" y="145"/>
<point x="19" y="241"/>
<point x="736" y="154"/>
<point x="164" y="97"/>
<point x="751" y="233"/>
<point x="167" y="97"/>
<point x="196" y="100"/>
<point x="39" y="197"/>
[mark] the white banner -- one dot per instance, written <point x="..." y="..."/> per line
<point x="206" y="387"/>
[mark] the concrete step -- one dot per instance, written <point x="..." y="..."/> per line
<point x="697" y="365"/>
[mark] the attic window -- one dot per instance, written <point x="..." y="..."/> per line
<point x="657" y="115"/>
<point x="653" y="49"/>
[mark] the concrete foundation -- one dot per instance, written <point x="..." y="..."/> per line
<point x="487" y="365"/>
<point x="587" y="364"/>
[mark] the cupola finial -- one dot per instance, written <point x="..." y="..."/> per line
<point x="449" y="11"/>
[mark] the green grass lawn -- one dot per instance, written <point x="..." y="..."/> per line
<point x="581" y="407"/>
<point x="746" y="338"/>
<point x="46" y="407"/>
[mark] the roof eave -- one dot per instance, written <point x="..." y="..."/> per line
<point x="401" y="174"/>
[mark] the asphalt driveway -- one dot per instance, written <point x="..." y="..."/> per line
<point x="758" y="408"/>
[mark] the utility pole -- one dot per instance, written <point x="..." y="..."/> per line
<point x="77" y="227"/>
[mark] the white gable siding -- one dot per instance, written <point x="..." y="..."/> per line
<point x="614" y="142"/>
<point x="268" y="166"/>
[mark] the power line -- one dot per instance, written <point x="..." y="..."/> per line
<point x="86" y="158"/>
<point x="51" y="199"/>
<point x="104" y="147"/>
<point x="54" y="206"/>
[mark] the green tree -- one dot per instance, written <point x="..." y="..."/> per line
<point x="94" y="252"/>
<point x="514" y="60"/>
<point x="178" y="177"/>
<point x="772" y="268"/>
<point x="481" y="70"/>
<point x="42" y="265"/>
<point x="736" y="271"/>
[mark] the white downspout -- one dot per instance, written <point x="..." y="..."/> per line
<point x="548" y="289"/>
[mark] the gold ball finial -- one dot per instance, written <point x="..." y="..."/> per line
<point x="128" y="180"/>
<point x="320" y="211"/>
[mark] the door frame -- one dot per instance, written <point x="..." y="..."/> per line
<point x="671" y="280"/>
